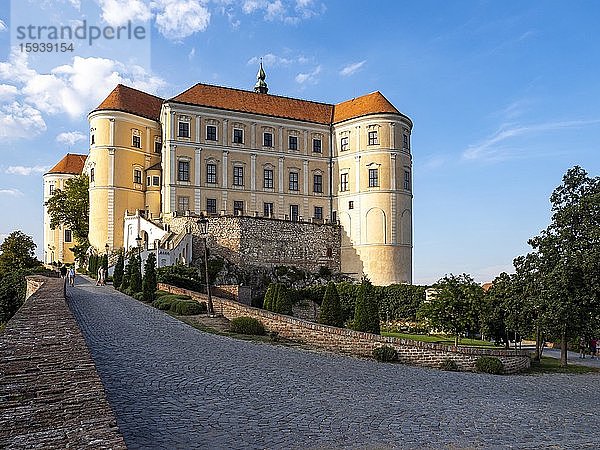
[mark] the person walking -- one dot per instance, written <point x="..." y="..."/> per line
<point x="99" y="276"/>
<point x="63" y="271"/>
<point x="593" y="345"/>
<point x="582" y="347"/>
<point x="72" y="275"/>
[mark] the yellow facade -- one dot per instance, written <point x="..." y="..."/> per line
<point x="123" y="149"/>
<point x="57" y="242"/>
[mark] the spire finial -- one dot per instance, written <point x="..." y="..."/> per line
<point x="261" y="85"/>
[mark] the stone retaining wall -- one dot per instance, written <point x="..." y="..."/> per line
<point x="341" y="340"/>
<point x="260" y="241"/>
<point x="50" y="393"/>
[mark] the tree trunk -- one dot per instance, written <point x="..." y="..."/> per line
<point x="538" y="344"/>
<point x="563" y="349"/>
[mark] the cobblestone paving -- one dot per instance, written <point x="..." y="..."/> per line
<point x="174" y="387"/>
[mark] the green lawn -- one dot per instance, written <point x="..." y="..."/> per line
<point x="440" y="339"/>
<point x="552" y="365"/>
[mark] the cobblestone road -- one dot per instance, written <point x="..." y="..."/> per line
<point x="174" y="387"/>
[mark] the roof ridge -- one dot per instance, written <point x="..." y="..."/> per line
<point x="250" y="92"/>
<point x="137" y="90"/>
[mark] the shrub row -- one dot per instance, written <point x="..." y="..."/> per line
<point x="247" y="325"/>
<point x="182" y="305"/>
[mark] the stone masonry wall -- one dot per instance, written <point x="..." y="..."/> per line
<point x="355" y="343"/>
<point x="259" y="241"/>
<point x="50" y="393"/>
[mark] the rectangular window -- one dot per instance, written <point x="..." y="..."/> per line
<point x="136" y="141"/>
<point x="344" y="144"/>
<point x="52" y="186"/>
<point x="293" y="181"/>
<point x="267" y="140"/>
<point x="317" y="146"/>
<point x="373" y="140"/>
<point x="407" y="180"/>
<point x="183" y="204"/>
<point x="92" y="175"/>
<point x="211" y="173"/>
<point x="318" y="212"/>
<point x="238" y="176"/>
<point x="238" y="208"/>
<point x="293" y="142"/>
<point x="318" y="183"/>
<point x="268" y="210"/>
<point x="183" y="171"/>
<point x="137" y="176"/>
<point x="155" y="181"/>
<point x="373" y="177"/>
<point x="294" y="213"/>
<point x="211" y="205"/>
<point x="184" y="129"/>
<point x="238" y="136"/>
<point x="344" y="182"/>
<point x="157" y="146"/>
<point x="147" y="181"/>
<point x="68" y="236"/>
<point x="211" y="133"/>
<point x="93" y="140"/>
<point x="268" y="179"/>
<point x="405" y="143"/>
<point x="350" y="204"/>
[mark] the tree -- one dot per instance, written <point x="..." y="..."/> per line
<point x="118" y="273"/>
<point x="456" y="306"/>
<point x="366" y="312"/>
<point x="268" y="300"/>
<point x="283" y="303"/>
<point x="17" y="253"/>
<point x="135" y="277"/>
<point x="70" y="207"/>
<point x="12" y="294"/>
<point x="149" y="283"/>
<point x="569" y="258"/>
<point x="126" y="275"/>
<point x="331" y="310"/>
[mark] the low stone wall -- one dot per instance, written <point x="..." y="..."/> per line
<point x="50" y="393"/>
<point x="341" y="340"/>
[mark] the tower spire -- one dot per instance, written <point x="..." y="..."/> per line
<point x="261" y="85"/>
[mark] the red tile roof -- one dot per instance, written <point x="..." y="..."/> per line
<point x="361" y="106"/>
<point x="71" y="163"/>
<point x="126" y="99"/>
<point x="252" y="102"/>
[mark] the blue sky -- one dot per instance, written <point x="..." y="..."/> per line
<point x="504" y="97"/>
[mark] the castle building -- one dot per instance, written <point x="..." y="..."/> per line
<point x="58" y="242"/>
<point x="224" y="151"/>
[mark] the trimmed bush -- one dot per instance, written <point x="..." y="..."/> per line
<point x="331" y="310"/>
<point x="449" y="364"/>
<point x="181" y="276"/>
<point x="489" y="364"/>
<point x="268" y="300"/>
<point x="188" y="307"/>
<point x="366" y="312"/>
<point x="160" y="293"/>
<point x="149" y="281"/>
<point x="119" y="270"/>
<point x="283" y="304"/>
<point x="385" y="353"/>
<point x="139" y="296"/>
<point x="247" y="325"/>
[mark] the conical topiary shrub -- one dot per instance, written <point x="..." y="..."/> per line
<point x="366" y="312"/>
<point x="331" y="310"/>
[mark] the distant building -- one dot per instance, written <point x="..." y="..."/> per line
<point x="58" y="242"/>
<point x="224" y="151"/>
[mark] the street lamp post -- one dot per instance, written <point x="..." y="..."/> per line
<point x="203" y="222"/>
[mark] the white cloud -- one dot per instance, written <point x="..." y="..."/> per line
<point x="272" y="60"/>
<point x="119" y="12"/>
<point x="192" y="53"/>
<point x="70" y="137"/>
<point x="495" y="147"/>
<point x="76" y="88"/>
<point x="284" y="10"/>
<point x="177" y="19"/>
<point x="26" y="171"/>
<point x="250" y="6"/>
<point x="352" y="68"/>
<point x="310" y="77"/>
<point x="20" y="121"/>
<point x="274" y="10"/>
<point x="8" y="92"/>
<point x="11" y="192"/>
<point x="2" y="25"/>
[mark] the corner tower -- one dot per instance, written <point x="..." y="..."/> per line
<point x="372" y="185"/>
<point x="125" y="156"/>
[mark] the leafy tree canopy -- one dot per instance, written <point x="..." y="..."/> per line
<point x="17" y="253"/>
